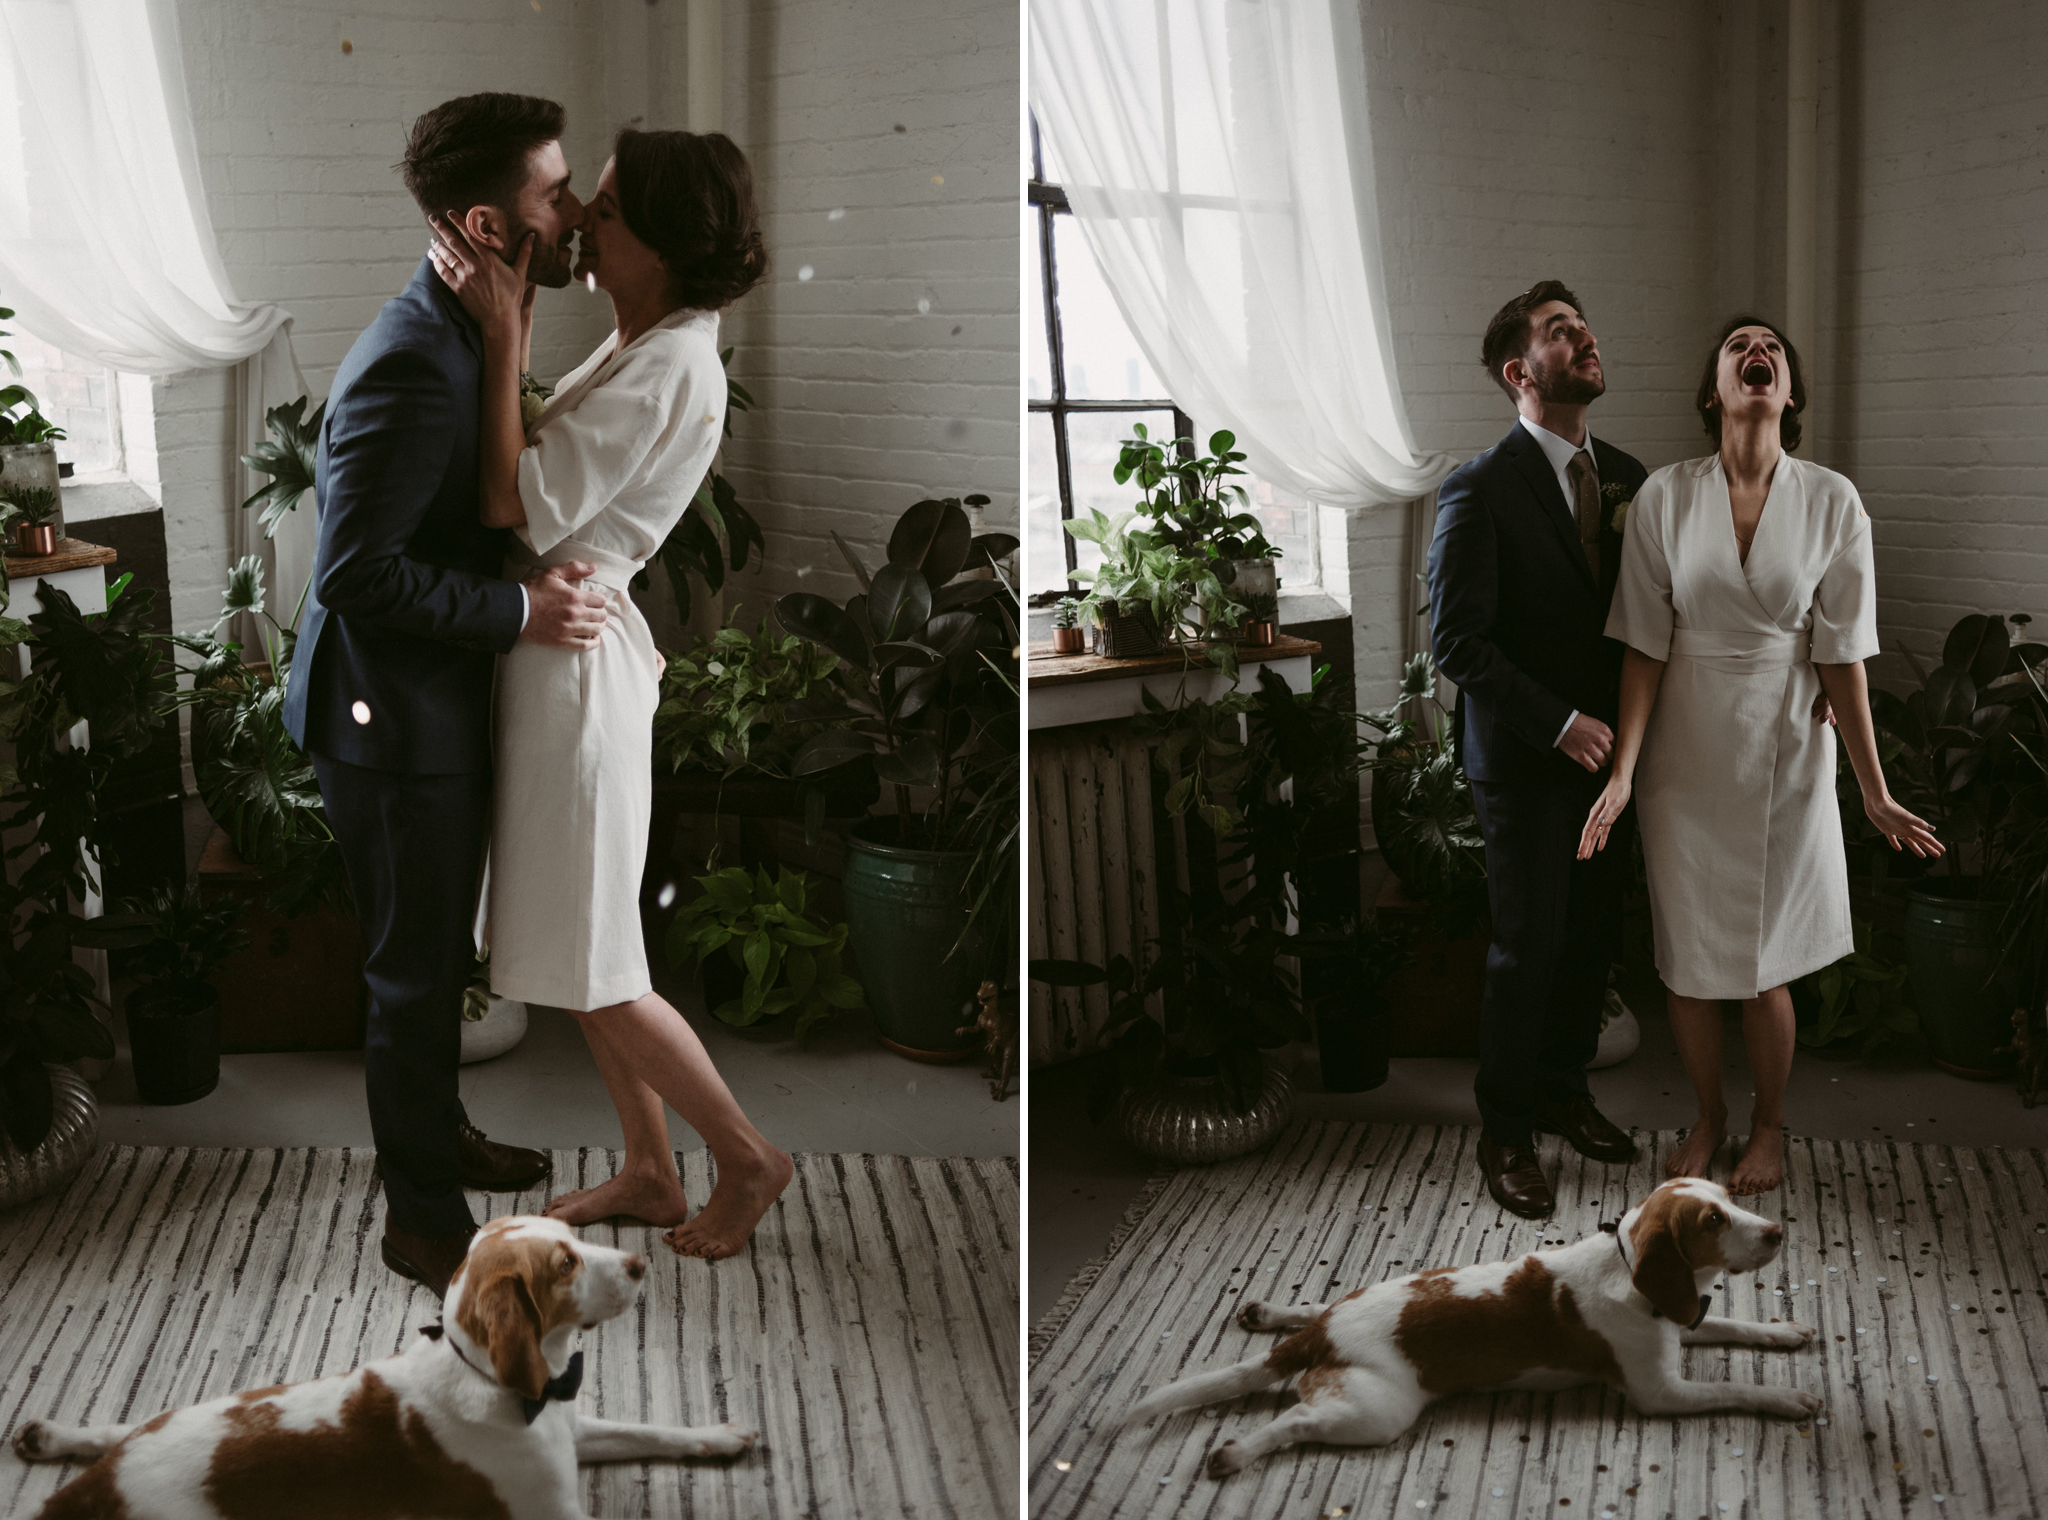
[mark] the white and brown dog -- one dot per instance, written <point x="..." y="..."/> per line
<point x="1613" y="1308"/>
<point x="476" y="1419"/>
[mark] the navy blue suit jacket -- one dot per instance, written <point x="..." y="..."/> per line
<point x="1517" y="621"/>
<point x="406" y="614"/>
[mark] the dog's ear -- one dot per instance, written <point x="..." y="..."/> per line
<point x="501" y="1316"/>
<point x="1663" y="1273"/>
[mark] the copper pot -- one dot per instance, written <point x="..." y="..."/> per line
<point x="1069" y="640"/>
<point x="36" y="540"/>
<point x="1260" y="632"/>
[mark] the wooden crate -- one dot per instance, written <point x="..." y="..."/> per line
<point x="299" y="985"/>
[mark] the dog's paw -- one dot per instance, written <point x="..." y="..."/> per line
<point x="730" y="1440"/>
<point x="1793" y="1403"/>
<point x="1791" y="1333"/>
<point x="1225" y="1460"/>
<point x="31" y="1441"/>
<point x="1253" y="1317"/>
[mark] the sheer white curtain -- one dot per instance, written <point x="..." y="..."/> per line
<point x="1224" y="182"/>
<point x="106" y="247"/>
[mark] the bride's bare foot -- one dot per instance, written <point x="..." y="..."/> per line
<point x="633" y="1196"/>
<point x="1695" y="1154"/>
<point x="741" y="1196"/>
<point x="1762" y="1167"/>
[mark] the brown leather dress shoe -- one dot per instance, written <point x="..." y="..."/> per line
<point x="493" y="1168"/>
<point x="1584" y="1127"/>
<point x="429" y="1260"/>
<point x="1515" y="1179"/>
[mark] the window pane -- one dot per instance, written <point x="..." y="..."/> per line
<point x="1045" y="556"/>
<point x="1101" y="357"/>
<point x="76" y="394"/>
<point x="1290" y="525"/>
<point x="1094" y="439"/>
<point x="1041" y="353"/>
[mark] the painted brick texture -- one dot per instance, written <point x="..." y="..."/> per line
<point x="884" y="144"/>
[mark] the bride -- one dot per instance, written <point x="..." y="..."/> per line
<point x="1746" y="593"/>
<point x="671" y="236"/>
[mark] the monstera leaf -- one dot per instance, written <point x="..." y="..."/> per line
<point x="287" y="459"/>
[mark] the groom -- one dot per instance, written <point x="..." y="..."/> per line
<point x="1521" y="572"/>
<point x="390" y="690"/>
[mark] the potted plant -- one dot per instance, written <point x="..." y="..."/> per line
<point x="1149" y="595"/>
<point x="757" y="954"/>
<point x="174" y="1008"/>
<point x="28" y="440"/>
<point x="32" y="510"/>
<point x="1261" y="625"/>
<point x="1190" y="499"/>
<point x="1068" y="636"/>
<point x="929" y="695"/>
<point x="104" y="669"/>
<point x="491" y="1025"/>
<point x="1967" y="742"/>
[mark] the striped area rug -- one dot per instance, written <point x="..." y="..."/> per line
<point x="1939" y="1408"/>
<point x="870" y="1333"/>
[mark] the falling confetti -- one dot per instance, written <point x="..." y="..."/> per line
<point x="667" y="894"/>
<point x="924" y="305"/>
<point x="590" y="281"/>
<point x="836" y="214"/>
<point x="347" y="46"/>
<point x="938" y="179"/>
<point x="805" y="273"/>
<point x="1064" y="1465"/>
<point x="360" y="711"/>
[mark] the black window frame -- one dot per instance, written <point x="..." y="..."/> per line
<point x="1048" y="201"/>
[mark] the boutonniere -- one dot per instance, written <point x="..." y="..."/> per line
<point x="533" y="399"/>
<point x="1618" y="501"/>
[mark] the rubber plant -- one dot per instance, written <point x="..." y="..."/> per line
<point x="104" y="669"/>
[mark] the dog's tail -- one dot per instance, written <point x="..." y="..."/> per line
<point x="1207" y="1388"/>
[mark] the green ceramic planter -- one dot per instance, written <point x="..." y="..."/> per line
<point x="1965" y="996"/>
<point x="905" y="908"/>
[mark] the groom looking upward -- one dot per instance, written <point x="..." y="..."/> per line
<point x="390" y="687"/>
<point x="1521" y="572"/>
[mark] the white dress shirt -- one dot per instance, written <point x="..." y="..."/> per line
<point x="1560" y="452"/>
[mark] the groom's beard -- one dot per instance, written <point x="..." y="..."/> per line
<point x="550" y="264"/>
<point x="1564" y="387"/>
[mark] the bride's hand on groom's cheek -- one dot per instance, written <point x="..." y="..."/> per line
<point x="497" y="294"/>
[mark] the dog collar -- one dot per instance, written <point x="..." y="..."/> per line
<point x="1613" y="1228"/>
<point x="561" y="1389"/>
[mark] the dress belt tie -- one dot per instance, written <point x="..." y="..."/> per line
<point x="1741" y="651"/>
<point x="614" y="571"/>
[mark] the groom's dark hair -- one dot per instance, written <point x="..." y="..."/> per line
<point x="473" y="151"/>
<point x="1507" y="335"/>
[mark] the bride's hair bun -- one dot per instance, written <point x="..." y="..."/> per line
<point x="690" y="197"/>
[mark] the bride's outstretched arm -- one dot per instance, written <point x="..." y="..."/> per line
<point x="1848" y="689"/>
<point x="501" y="300"/>
<point x="1640" y="678"/>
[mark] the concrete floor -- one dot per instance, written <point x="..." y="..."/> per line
<point x="842" y="1092"/>
<point x="1083" y="1177"/>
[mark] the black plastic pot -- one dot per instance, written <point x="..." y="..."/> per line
<point x="1354" y="1046"/>
<point x="1964" y="993"/>
<point x="174" y="1040"/>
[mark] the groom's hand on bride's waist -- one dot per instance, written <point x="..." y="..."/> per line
<point x="563" y="613"/>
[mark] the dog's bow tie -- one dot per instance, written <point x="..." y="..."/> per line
<point x="562" y="1389"/>
<point x="1614" y="1228"/>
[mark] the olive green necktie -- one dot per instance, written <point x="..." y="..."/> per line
<point x="1586" y="493"/>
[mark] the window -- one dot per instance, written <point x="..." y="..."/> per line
<point x="1088" y="384"/>
<point x="81" y="397"/>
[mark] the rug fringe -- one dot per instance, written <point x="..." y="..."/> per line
<point x="1053" y="1319"/>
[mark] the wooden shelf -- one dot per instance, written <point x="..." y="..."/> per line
<point x="1048" y="669"/>
<point x="72" y="554"/>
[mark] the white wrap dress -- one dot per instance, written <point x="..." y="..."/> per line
<point x="608" y="470"/>
<point x="1735" y="786"/>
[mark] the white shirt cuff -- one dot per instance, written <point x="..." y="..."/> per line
<point x="525" y="606"/>
<point x="1568" y="722"/>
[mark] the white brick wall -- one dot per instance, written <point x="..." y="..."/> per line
<point x="866" y="403"/>
<point x="1936" y="371"/>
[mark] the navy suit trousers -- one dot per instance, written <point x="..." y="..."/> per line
<point x="1556" y="925"/>
<point x="414" y="848"/>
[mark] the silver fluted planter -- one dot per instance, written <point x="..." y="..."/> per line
<point x="1185" y="1120"/>
<point x="74" y="1128"/>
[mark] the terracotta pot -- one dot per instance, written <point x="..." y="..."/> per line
<point x="34" y="540"/>
<point x="1069" y="640"/>
<point x="1259" y="633"/>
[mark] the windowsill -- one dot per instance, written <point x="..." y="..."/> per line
<point x="105" y="493"/>
<point x="1310" y="604"/>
